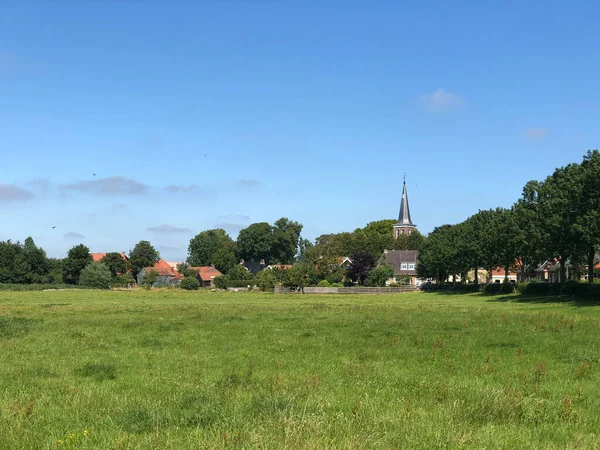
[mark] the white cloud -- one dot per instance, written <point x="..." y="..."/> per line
<point x="165" y="228"/>
<point x="441" y="101"/>
<point x="536" y="134"/>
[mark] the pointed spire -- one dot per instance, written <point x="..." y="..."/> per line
<point x="404" y="216"/>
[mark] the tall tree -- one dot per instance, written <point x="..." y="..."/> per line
<point x="77" y="258"/>
<point x="142" y="255"/>
<point x="286" y="238"/>
<point x="115" y="263"/>
<point x="37" y="261"/>
<point x="255" y="241"/>
<point x="587" y="221"/>
<point x="212" y="247"/>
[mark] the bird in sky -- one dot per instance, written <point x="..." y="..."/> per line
<point x="54" y="227"/>
<point x="94" y="174"/>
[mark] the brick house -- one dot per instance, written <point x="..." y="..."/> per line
<point x="207" y="275"/>
<point x="167" y="275"/>
<point x="404" y="263"/>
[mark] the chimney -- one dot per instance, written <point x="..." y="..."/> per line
<point x="385" y="252"/>
<point x="212" y="266"/>
<point x="241" y="261"/>
<point x="262" y="261"/>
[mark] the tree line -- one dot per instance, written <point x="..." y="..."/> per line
<point x="557" y="218"/>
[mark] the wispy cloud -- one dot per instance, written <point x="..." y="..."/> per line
<point x="74" y="235"/>
<point x="191" y="189"/>
<point x="234" y="217"/>
<point x="441" y="101"/>
<point x="165" y="228"/>
<point x="249" y="183"/>
<point x="108" y="186"/>
<point x="12" y="193"/>
<point x="232" y="228"/>
<point x="536" y="134"/>
<point x="40" y="183"/>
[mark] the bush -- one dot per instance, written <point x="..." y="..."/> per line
<point x="266" y="280"/>
<point x="336" y="285"/>
<point x="95" y="275"/>
<point x="123" y="281"/>
<point x="323" y="283"/>
<point x="220" y="282"/>
<point x="190" y="284"/>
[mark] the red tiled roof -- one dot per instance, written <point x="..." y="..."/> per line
<point x="164" y="269"/>
<point x="98" y="256"/>
<point x="207" y="273"/>
<point x="499" y="271"/>
<point x="280" y="266"/>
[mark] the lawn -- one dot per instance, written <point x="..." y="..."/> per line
<point x="186" y="370"/>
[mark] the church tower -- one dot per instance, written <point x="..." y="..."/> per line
<point x="404" y="225"/>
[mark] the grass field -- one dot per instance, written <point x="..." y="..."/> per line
<point x="188" y="370"/>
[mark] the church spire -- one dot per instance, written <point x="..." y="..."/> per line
<point x="404" y="225"/>
<point x="404" y="216"/>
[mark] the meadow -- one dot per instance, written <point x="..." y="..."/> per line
<point x="166" y="369"/>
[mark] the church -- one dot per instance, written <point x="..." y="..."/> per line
<point x="404" y="262"/>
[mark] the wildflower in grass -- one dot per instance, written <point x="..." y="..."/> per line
<point x="85" y="432"/>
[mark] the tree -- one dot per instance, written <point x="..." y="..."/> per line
<point x="13" y="265"/>
<point x="285" y="241"/>
<point x="142" y="255"/>
<point x="359" y="268"/>
<point x="149" y="278"/>
<point x="95" y="275"/>
<point x="254" y="242"/>
<point x="380" y="275"/>
<point x="587" y="221"/>
<point x="37" y="261"/>
<point x="298" y="276"/>
<point x="115" y="263"/>
<point x="77" y="258"/>
<point x="212" y="247"/>
<point x="266" y="280"/>
<point x="190" y="284"/>
<point x="239" y="272"/>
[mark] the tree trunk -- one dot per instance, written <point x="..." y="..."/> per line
<point x="476" y="275"/>
<point x="506" y="274"/>
<point x="590" y="262"/>
<point x="562" y="270"/>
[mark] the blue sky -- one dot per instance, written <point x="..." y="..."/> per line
<point x="194" y="115"/>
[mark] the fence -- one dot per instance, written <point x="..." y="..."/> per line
<point x="347" y="290"/>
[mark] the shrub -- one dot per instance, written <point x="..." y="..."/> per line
<point x="266" y="280"/>
<point x="190" y="284"/>
<point x="95" y="275"/>
<point x="323" y="283"/>
<point x="336" y="285"/>
<point x="220" y="282"/>
<point x="124" y="280"/>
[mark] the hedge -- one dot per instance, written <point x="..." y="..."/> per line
<point x="36" y="287"/>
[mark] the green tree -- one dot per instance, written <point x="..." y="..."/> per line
<point x="142" y="255"/>
<point x="212" y="247"/>
<point x="239" y="272"/>
<point x="285" y="241"/>
<point x="78" y="257"/>
<point x="380" y="275"/>
<point x="149" y="278"/>
<point x="115" y="263"/>
<point x="298" y="277"/>
<point x="266" y="280"/>
<point x="190" y="284"/>
<point x="254" y="242"/>
<point x="37" y="262"/>
<point x="95" y="275"/>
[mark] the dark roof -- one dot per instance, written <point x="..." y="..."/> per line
<point x="396" y="257"/>
<point x="254" y="267"/>
<point x="404" y="216"/>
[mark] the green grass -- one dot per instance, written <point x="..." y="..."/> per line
<point x="186" y="370"/>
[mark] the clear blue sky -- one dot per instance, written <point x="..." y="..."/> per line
<point x="202" y="114"/>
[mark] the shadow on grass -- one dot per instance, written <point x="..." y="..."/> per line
<point x="569" y="299"/>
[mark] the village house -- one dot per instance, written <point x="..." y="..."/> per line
<point x="206" y="275"/>
<point x="166" y="274"/>
<point x="253" y="267"/>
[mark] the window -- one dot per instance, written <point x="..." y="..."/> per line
<point x="403" y="266"/>
<point x="411" y="267"/>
